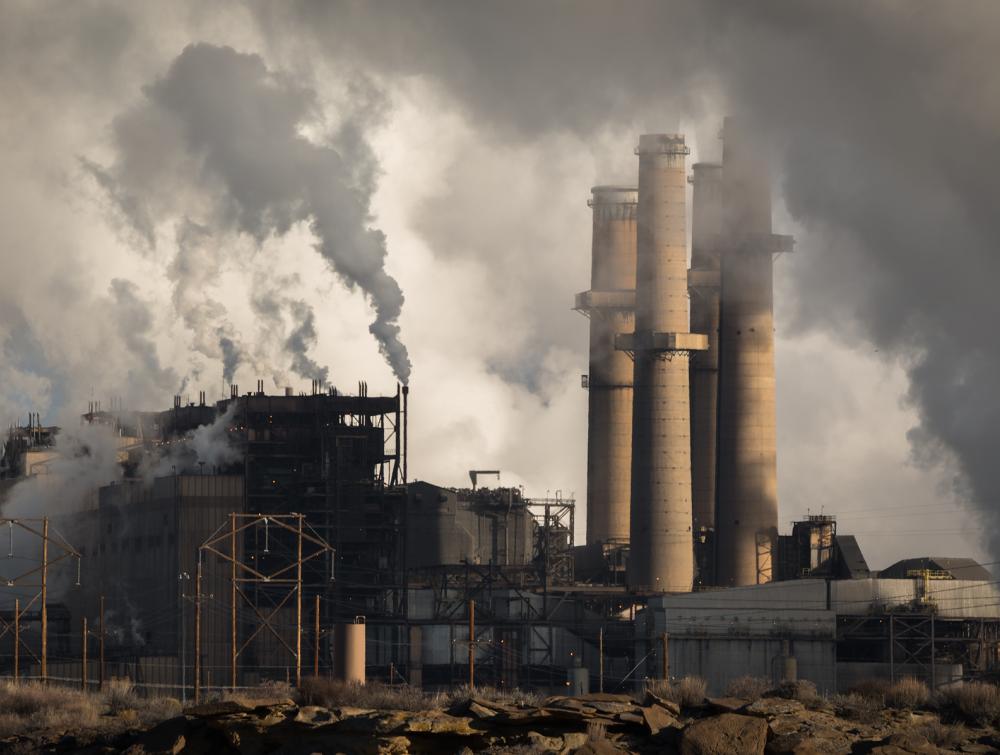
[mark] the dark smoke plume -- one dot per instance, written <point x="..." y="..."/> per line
<point x="882" y="120"/>
<point x="225" y="132"/>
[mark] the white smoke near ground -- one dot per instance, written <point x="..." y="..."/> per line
<point x="220" y="139"/>
<point x="83" y="459"/>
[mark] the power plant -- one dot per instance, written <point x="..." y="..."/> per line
<point x="263" y="537"/>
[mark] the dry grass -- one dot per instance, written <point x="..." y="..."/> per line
<point x="334" y="694"/>
<point x="974" y="702"/>
<point x="30" y="707"/>
<point x="508" y="696"/>
<point x="871" y="689"/>
<point x="802" y="690"/>
<point x="34" y="707"/>
<point x="857" y="707"/>
<point x="597" y="730"/>
<point x="266" y="693"/>
<point x="908" y="693"/>
<point x="944" y="736"/>
<point x="687" y="692"/>
<point x="120" y="695"/>
<point x="749" y="687"/>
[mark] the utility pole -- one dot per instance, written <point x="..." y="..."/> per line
<point x="600" y="662"/>
<point x="298" y="609"/>
<point x="665" y="639"/>
<point x="180" y="605"/>
<point x="83" y="657"/>
<point x="17" y="635"/>
<point x="197" y="633"/>
<point x="100" y="647"/>
<point x="232" y="604"/>
<point x="316" y="635"/>
<point x="45" y="596"/>
<point x="472" y="644"/>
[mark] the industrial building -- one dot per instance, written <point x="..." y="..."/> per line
<point x="263" y="536"/>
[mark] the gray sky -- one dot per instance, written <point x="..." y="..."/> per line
<point x="297" y="189"/>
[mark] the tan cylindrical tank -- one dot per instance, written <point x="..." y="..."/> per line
<point x="609" y="430"/>
<point x="349" y="651"/>
<point x="747" y="509"/>
<point x="706" y="227"/>
<point x="661" y="556"/>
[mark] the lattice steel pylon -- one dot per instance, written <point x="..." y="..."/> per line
<point x="36" y="528"/>
<point x="285" y="576"/>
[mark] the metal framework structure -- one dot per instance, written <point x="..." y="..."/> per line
<point x="921" y="641"/>
<point x="256" y="572"/>
<point x="49" y="541"/>
<point x="556" y="518"/>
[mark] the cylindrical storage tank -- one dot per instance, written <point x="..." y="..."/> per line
<point x="789" y="668"/>
<point x="706" y="228"/>
<point x="609" y="430"/>
<point x="349" y="651"/>
<point x="747" y="495"/>
<point x="661" y="557"/>
<point x="579" y="681"/>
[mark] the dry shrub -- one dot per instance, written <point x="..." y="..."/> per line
<point x="120" y="695"/>
<point x="687" y="692"/>
<point x="31" y="706"/>
<point x="802" y="690"/>
<point x="944" y="736"/>
<point x="908" y="692"/>
<point x="335" y="694"/>
<point x="871" y="689"/>
<point x="856" y="707"/>
<point x="330" y="693"/>
<point x="974" y="702"/>
<point x="749" y="687"/>
<point x="265" y="693"/>
<point x="507" y="696"/>
<point x="597" y="730"/>
<point x="153" y="710"/>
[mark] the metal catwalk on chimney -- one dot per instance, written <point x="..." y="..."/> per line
<point x="703" y="282"/>
<point x="609" y="305"/>
<point x="661" y="556"/>
<point x="747" y="495"/>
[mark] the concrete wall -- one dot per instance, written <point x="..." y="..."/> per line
<point x="719" y="660"/>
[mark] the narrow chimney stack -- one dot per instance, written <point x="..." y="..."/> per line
<point x="703" y="284"/>
<point x="661" y="557"/>
<point x="747" y="495"/>
<point x="609" y="305"/>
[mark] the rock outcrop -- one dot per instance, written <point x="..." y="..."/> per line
<point x="588" y="725"/>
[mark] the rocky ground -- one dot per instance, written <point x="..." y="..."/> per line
<point x="597" y="724"/>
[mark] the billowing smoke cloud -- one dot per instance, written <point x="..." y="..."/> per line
<point x="205" y="449"/>
<point x="83" y="459"/>
<point x="135" y="323"/>
<point x="220" y="137"/>
<point x="271" y="307"/>
<point x="881" y="116"/>
<point x="302" y="337"/>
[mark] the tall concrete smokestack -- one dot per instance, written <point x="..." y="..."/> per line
<point x="661" y="556"/>
<point x="706" y="231"/>
<point x="610" y="304"/>
<point x="747" y="509"/>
